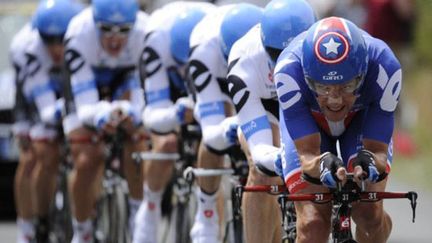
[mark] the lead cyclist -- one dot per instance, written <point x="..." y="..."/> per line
<point x="336" y="83"/>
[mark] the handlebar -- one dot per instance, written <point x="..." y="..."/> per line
<point x="351" y="192"/>
<point x="155" y="156"/>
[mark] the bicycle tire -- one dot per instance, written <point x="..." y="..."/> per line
<point x="101" y="222"/>
<point x="237" y="219"/>
<point x="183" y="223"/>
<point x="60" y="216"/>
<point x="111" y="223"/>
<point x="118" y="217"/>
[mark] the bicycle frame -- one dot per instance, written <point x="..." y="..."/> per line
<point x="342" y="199"/>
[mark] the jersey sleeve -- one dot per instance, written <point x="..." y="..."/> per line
<point x="78" y="55"/>
<point x="244" y="93"/>
<point x="384" y="83"/>
<point x="204" y="64"/>
<point x="159" y="113"/>
<point x="42" y="91"/>
<point x="292" y="99"/>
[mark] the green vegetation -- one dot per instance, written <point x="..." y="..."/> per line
<point x="417" y="88"/>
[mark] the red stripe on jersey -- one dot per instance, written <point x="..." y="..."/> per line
<point x="321" y="120"/>
<point x="349" y="118"/>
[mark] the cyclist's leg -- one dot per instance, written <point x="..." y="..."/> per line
<point x="206" y="225"/>
<point x="261" y="207"/>
<point x="157" y="174"/>
<point x="373" y="223"/>
<point x="23" y="190"/>
<point x="313" y="220"/>
<point x="47" y="151"/>
<point x="134" y="174"/>
<point x="84" y="182"/>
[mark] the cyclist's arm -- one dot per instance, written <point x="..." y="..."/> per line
<point x="384" y="86"/>
<point x="42" y="91"/>
<point x="159" y="113"/>
<point x="83" y="82"/>
<point x="252" y="116"/>
<point x="296" y="112"/>
<point x="203" y="64"/>
<point x="309" y="152"/>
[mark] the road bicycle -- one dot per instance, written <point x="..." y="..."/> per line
<point x="342" y="198"/>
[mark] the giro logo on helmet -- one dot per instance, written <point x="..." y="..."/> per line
<point x="333" y="76"/>
<point x="331" y="47"/>
<point x="117" y="17"/>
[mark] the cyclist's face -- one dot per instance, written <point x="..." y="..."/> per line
<point x="114" y="37"/>
<point x="56" y="52"/>
<point x="336" y="101"/>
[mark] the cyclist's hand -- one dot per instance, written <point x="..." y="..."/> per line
<point x="230" y="126"/>
<point x="364" y="166"/>
<point x="184" y="110"/>
<point x="331" y="170"/>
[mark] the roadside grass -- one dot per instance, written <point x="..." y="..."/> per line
<point x="417" y="88"/>
<point x="415" y="172"/>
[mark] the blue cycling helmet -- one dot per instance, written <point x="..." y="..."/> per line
<point x="236" y="22"/>
<point x="52" y="17"/>
<point x="115" y="12"/>
<point x="181" y="30"/>
<point x="283" y="20"/>
<point x="334" y="52"/>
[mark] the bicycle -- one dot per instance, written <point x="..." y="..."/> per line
<point x="342" y="198"/>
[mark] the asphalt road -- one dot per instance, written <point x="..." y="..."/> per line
<point x="403" y="229"/>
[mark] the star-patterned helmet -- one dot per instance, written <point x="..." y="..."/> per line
<point x="334" y="52"/>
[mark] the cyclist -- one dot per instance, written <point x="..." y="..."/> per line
<point x="211" y="41"/>
<point x="41" y="90"/>
<point x="103" y="46"/>
<point x="335" y="84"/>
<point x="167" y="105"/>
<point x="253" y="92"/>
<point x="23" y="119"/>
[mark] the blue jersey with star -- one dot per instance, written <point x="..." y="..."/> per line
<point x="377" y="97"/>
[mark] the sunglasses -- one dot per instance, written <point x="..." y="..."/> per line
<point x="114" y="29"/>
<point x="51" y="39"/>
<point x="347" y="88"/>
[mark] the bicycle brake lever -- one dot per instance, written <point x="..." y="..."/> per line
<point x="412" y="196"/>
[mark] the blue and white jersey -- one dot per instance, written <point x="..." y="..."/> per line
<point x="96" y="75"/>
<point x="163" y="77"/>
<point x="23" y="113"/>
<point x="208" y="69"/>
<point x="377" y="97"/>
<point x="43" y="82"/>
<point x="252" y="90"/>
